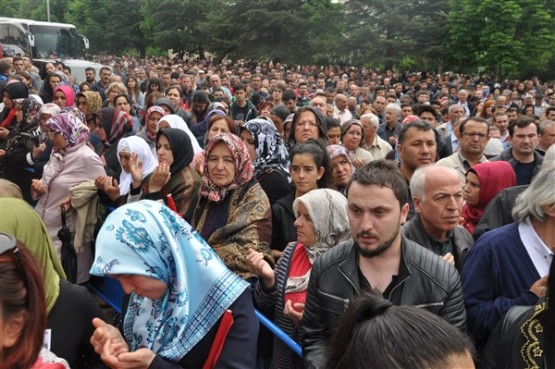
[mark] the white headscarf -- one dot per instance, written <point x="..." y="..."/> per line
<point x="175" y="121"/>
<point x="137" y="145"/>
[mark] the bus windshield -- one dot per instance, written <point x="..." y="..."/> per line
<point x="14" y="39"/>
<point x="62" y="42"/>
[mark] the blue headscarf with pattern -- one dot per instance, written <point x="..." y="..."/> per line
<point x="146" y="238"/>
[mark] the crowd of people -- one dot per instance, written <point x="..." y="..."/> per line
<point x="379" y="219"/>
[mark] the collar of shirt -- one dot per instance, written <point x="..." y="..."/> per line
<point x="538" y="251"/>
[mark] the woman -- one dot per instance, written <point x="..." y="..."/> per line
<point x="130" y="149"/>
<point x="124" y="103"/>
<point x="64" y="96"/>
<point x="269" y="157"/>
<point x="84" y="87"/>
<point x="309" y="170"/>
<point x="308" y="123"/>
<point x="153" y="87"/>
<point x="341" y="167"/>
<point x="179" y="294"/>
<point x="483" y="182"/>
<point x="23" y="317"/>
<point x="70" y="307"/>
<point x="114" y="89"/>
<point x="233" y="212"/>
<point x="374" y="333"/>
<point x="12" y="91"/>
<point x="173" y="176"/>
<point x="134" y="91"/>
<point x="217" y="122"/>
<point x="148" y="132"/>
<point x="321" y="224"/>
<point x="22" y="146"/>
<point x="175" y="121"/>
<point x="199" y="110"/>
<point x="89" y="102"/>
<point x="352" y="137"/>
<point x="111" y="125"/>
<point x="71" y="163"/>
<point x="52" y="81"/>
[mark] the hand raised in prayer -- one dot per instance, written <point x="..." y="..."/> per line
<point x="294" y="312"/>
<point x="4" y="132"/>
<point x="104" y="334"/>
<point x="159" y="178"/>
<point x="260" y="267"/>
<point x="358" y="163"/>
<point x="136" y="169"/>
<point x="38" y="150"/>
<point x="140" y="359"/>
<point x="109" y="186"/>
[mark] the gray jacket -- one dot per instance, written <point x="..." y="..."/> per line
<point x="432" y="284"/>
<point x="462" y="240"/>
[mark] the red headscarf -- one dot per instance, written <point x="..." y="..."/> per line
<point x="494" y="176"/>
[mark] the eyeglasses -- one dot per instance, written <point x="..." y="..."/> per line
<point x="475" y="134"/>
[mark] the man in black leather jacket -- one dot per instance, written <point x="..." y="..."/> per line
<point x="378" y="257"/>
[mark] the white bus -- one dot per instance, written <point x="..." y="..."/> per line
<point x="40" y="40"/>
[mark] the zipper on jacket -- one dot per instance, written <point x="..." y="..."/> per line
<point x="350" y="281"/>
<point x="431" y="304"/>
<point x="344" y="301"/>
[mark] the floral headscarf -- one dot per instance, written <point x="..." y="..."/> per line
<point x="270" y="150"/>
<point x="94" y="102"/>
<point x="116" y="123"/>
<point x="146" y="238"/>
<point x="30" y="108"/>
<point x="152" y="109"/>
<point x="71" y="127"/>
<point x="337" y="150"/>
<point x="243" y="167"/>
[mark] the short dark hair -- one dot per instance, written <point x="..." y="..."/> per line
<point x="474" y="119"/>
<point x="383" y="173"/>
<point x="418" y="125"/>
<point x="105" y="68"/>
<point x="88" y="69"/>
<point x="373" y="330"/>
<point x="332" y="123"/>
<point x="289" y="95"/>
<point x="240" y="86"/>
<point x="522" y="122"/>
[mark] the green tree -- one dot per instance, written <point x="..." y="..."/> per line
<point x="500" y="38"/>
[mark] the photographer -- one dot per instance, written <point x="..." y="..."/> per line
<point x="23" y="146"/>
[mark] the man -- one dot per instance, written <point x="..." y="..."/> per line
<point x="90" y="76"/>
<point x="379" y="105"/>
<point x="166" y="79"/>
<point x="501" y="121"/>
<point x="463" y="102"/>
<point x="373" y="143"/>
<point x="446" y="129"/>
<point x="391" y="125"/>
<point x="546" y="137"/>
<point x="102" y="84"/>
<point x="377" y="257"/>
<point x="341" y="113"/>
<point x="428" y="114"/>
<point x="216" y="82"/>
<point x="319" y="102"/>
<point x="550" y="113"/>
<point x="289" y="99"/>
<point x="438" y="199"/>
<point x="256" y="87"/>
<point x="187" y="86"/>
<point x="423" y="97"/>
<point x="277" y="94"/>
<point x="508" y="266"/>
<point x="242" y="109"/>
<point x="302" y="97"/>
<point x="417" y="147"/>
<point x="522" y="154"/>
<point x="472" y="137"/>
<point x="18" y="64"/>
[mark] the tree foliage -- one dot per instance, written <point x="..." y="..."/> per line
<point x="503" y="38"/>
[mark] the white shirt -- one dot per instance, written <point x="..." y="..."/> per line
<point x="538" y="251"/>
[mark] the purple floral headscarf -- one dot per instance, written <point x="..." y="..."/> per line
<point x="71" y="127"/>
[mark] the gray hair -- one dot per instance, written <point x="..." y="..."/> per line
<point x="418" y="179"/>
<point x="372" y="118"/>
<point x="393" y="106"/>
<point x="549" y="157"/>
<point x="540" y="193"/>
<point x="545" y="124"/>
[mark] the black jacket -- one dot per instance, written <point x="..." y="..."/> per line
<point x="507" y="156"/>
<point x="432" y="283"/>
<point x="462" y="240"/>
<point x="283" y="230"/>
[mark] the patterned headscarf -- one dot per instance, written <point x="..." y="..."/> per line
<point x="243" y="167"/>
<point x="30" y="108"/>
<point x="130" y="145"/>
<point x="116" y="123"/>
<point x="336" y="150"/>
<point x="153" y="109"/>
<point x="94" y="102"/>
<point x="270" y="150"/>
<point x="71" y="127"/>
<point x="146" y="238"/>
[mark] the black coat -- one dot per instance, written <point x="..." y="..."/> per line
<point x="283" y="230"/>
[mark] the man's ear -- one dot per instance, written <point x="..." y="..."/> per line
<point x="417" y="202"/>
<point x="13" y="328"/>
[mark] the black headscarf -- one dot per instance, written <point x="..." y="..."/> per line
<point x="182" y="150"/>
<point x="17" y="90"/>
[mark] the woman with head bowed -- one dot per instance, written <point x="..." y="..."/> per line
<point x="269" y="157"/>
<point x="148" y="132"/>
<point x="72" y="162"/>
<point x="483" y="182"/>
<point x="69" y="307"/>
<point x="321" y="223"/>
<point x="89" y="102"/>
<point x="342" y="167"/>
<point x="179" y="291"/>
<point x="172" y="176"/>
<point x="233" y="212"/>
<point x="111" y="125"/>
